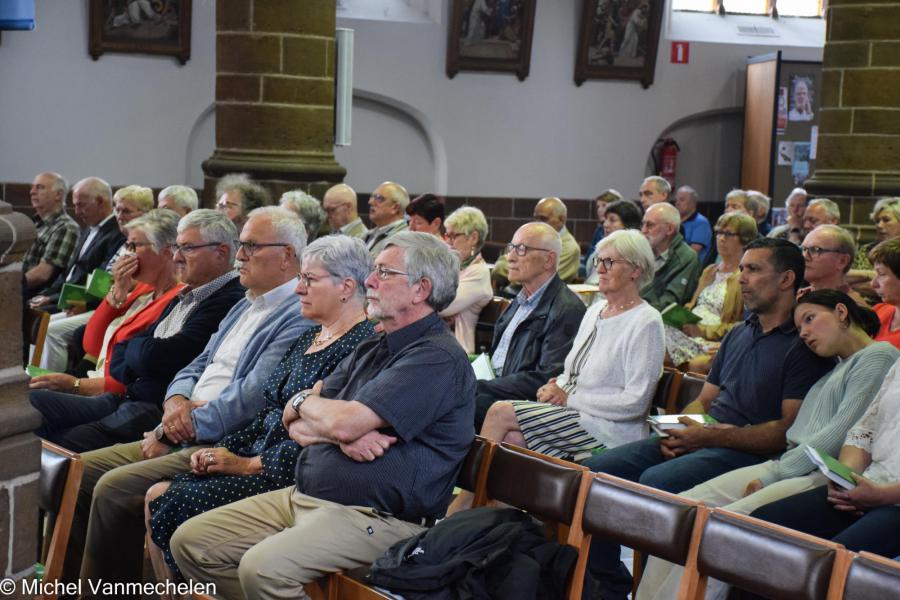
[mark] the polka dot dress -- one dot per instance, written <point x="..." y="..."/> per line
<point x="190" y="495"/>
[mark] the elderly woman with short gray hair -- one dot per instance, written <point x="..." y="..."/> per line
<point x="261" y="457"/>
<point x="307" y="208"/>
<point x="466" y="230"/>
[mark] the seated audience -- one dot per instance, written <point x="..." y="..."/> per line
<point x="339" y="204"/>
<point x="831" y="324"/>
<point x="219" y="392"/>
<point x="866" y="518"/>
<point x="426" y="214"/>
<point x="307" y="208"/>
<point x="736" y="201"/>
<point x="57" y="233"/>
<point x="600" y="204"/>
<point x="534" y="334"/>
<point x="553" y="212"/>
<point x="130" y="202"/>
<point x="792" y="230"/>
<point x="620" y="214"/>
<point x="755" y="387"/>
<point x="828" y="251"/>
<point x="718" y="300"/>
<point x="820" y="211"/>
<point x="237" y="196"/>
<point x="467" y="229"/>
<point x="697" y="232"/>
<point x="260" y="457"/>
<point x="886" y="218"/>
<point x="383" y="437"/>
<point x="180" y="198"/>
<point x="387" y="205"/>
<point x="98" y="242"/>
<point x="677" y="268"/>
<point x="759" y="204"/>
<point x="654" y="190"/>
<point x="886" y="284"/>
<point x="152" y="344"/>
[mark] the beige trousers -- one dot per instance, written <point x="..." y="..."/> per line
<point x="269" y="545"/>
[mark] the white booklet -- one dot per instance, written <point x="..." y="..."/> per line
<point x="483" y="368"/>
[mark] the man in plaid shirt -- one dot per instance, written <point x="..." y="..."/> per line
<point x="57" y="233"/>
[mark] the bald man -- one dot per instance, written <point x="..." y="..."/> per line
<point x="553" y="212"/>
<point x="387" y="210"/>
<point x="677" y="268"/>
<point x="340" y="209"/>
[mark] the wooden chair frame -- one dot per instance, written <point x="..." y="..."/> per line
<point x="41" y="317"/>
<point x="841" y="571"/>
<point x="56" y="553"/>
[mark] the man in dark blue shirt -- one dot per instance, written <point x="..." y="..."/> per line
<point x="383" y="437"/>
<point x="758" y="381"/>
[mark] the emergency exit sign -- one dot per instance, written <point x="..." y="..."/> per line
<point x="681" y="52"/>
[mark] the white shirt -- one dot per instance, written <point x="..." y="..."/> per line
<point x="219" y="372"/>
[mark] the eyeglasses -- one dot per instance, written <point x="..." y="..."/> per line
<point x="223" y="204"/>
<point x="188" y="249"/>
<point x="378" y="198"/>
<point x="383" y="272"/>
<point x="250" y="248"/>
<point x="817" y="250"/>
<point x="133" y="246"/>
<point x="307" y="280"/>
<point x="726" y="233"/>
<point x="522" y="249"/>
<point x="452" y="236"/>
<point x="609" y="262"/>
<point x="333" y="209"/>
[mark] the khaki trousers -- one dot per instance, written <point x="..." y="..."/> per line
<point x="269" y="545"/>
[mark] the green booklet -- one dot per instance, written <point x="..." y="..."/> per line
<point x="98" y="283"/>
<point x="678" y="316"/>
<point x="70" y="295"/>
<point x="832" y="468"/>
<point x="34" y="371"/>
<point x="661" y="424"/>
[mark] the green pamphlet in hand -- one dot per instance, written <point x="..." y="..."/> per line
<point x="70" y="295"/>
<point x="34" y="371"/>
<point x="661" y="424"/>
<point x="678" y="316"/>
<point x="98" y="283"/>
<point x="483" y="368"/>
<point x="832" y="468"/>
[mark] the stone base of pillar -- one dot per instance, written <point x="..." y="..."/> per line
<point x="842" y="183"/>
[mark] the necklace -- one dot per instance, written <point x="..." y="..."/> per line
<point x="619" y="307"/>
<point x="323" y="338"/>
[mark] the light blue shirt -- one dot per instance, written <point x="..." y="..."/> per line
<point x="526" y="305"/>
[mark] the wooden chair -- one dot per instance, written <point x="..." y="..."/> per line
<point x="691" y="384"/>
<point x="34" y="331"/>
<point x="61" y="472"/>
<point x="667" y="390"/>
<point x="867" y="577"/>
<point x="484" y="328"/>
<point x="765" y="559"/>
<point x="645" y="519"/>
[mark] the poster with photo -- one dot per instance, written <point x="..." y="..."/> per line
<point x="785" y="154"/>
<point x="800" y="166"/>
<point x="802" y="91"/>
<point x="782" y="118"/>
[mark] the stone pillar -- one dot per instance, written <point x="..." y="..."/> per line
<point x="859" y="120"/>
<point x="20" y="450"/>
<point x="275" y="63"/>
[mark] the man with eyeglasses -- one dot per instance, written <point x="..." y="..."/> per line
<point x="340" y="210"/>
<point x="677" y="267"/>
<point x="535" y="333"/>
<point x="382" y="436"/>
<point x="828" y="251"/>
<point x="387" y="207"/>
<point x="217" y="393"/>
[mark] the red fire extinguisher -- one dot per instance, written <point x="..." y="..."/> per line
<point x="668" y="159"/>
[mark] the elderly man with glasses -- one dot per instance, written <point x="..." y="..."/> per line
<point x="387" y="206"/>
<point x="218" y="392"/>
<point x="828" y="251"/>
<point x="534" y="334"/>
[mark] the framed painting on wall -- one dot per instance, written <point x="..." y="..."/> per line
<point x="141" y="26"/>
<point x="618" y="40"/>
<point x="490" y="35"/>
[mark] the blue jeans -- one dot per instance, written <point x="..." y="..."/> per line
<point x="643" y="462"/>
<point x="878" y="530"/>
<point x="62" y="411"/>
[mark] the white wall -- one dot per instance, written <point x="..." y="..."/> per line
<point x="140" y="119"/>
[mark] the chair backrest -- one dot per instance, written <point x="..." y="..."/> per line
<point x="871" y="577"/>
<point x="34" y="330"/>
<point x="640" y="517"/>
<point x="765" y="559"/>
<point x="61" y="472"/>
<point x="484" y="328"/>
<point x="691" y="384"/>
<point x="667" y="389"/>
<point x="473" y="472"/>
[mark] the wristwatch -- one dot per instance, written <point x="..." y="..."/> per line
<point x="298" y="399"/>
<point x="160" y="434"/>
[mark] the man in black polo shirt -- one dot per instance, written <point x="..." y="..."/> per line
<point x="758" y="380"/>
<point x="383" y="437"/>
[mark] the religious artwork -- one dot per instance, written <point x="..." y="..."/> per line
<point x="142" y="26"/>
<point x="490" y="35"/>
<point x="618" y="40"/>
<point x="802" y="89"/>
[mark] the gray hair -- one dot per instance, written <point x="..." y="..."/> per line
<point x="288" y="226"/>
<point x="396" y="193"/>
<point x="140" y="195"/>
<point x="425" y="256"/>
<point x="891" y="205"/>
<point x="59" y="183"/>
<point x="662" y="185"/>
<point x="159" y="225"/>
<point x="845" y="244"/>
<point x="95" y="187"/>
<point x="668" y="213"/>
<point x="634" y="248"/>
<point x="213" y="225"/>
<point x="307" y="207"/>
<point x="797" y="191"/>
<point x="182" y="195"/>
<point x="741" y="195"/>
<point x="759" y="203"/>
<point x="549" y="238"/>
<point x="252" y="194"/>
<point x="695" y="196"/>
<point x="467" y="219"/>
<point x="344" y="257"/>
<point x="830" y="206"/>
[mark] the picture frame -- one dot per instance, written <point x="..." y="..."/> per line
<point x="618" y="40"/>
<point x="140" y="26"/>
<point x="490" y="35"/>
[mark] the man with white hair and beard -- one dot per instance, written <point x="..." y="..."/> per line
<point x="677" y="268"/>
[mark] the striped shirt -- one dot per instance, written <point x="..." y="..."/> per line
<point x="188" y="300"/>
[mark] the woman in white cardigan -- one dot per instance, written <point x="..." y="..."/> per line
<point x="603" y="396"/>
<point x="466" y="230"/>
